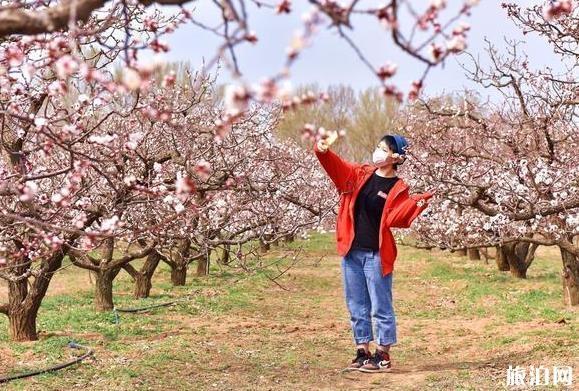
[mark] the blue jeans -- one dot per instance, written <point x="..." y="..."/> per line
<point x="368" y="295"/>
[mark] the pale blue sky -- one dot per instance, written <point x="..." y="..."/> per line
<point x="330" y="60"/>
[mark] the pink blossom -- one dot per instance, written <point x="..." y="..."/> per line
<point x="438" y="4"/>
<point x="54" y="242"/>
<point x="415" y="90"/>
<point x="56" y="198"/>
<point x="184" y="185"/>
<point x="151" y="24"/>
<point x="159" y="46"/>
<point x="386" y="17"/>
<point x="130" y="180"/>
<point x="456" y="44"/>
<point x="103" y="140"/>
<point x="179" y="207"/>
<point x="88" y="242"/>
<point x="40" y="122"/>
<point x="186" y="13"/>
<point x="230" y="183"/>
<point x="28" y="70"/>
<point x="387" y="71"/>
<point x="14" y="55"/>
<point x="28" y="191"/>
<point x="251" y="37"/>
<point x="266" y="90"/>
<point x="132" y="79"/>
<point x="169" y="80"/>
<point x="283" y="7"/>
<point x="392" y="91"/>
<point x="56" y="88"/>
<point x="134" y="139"/>
<point x="308" y="132"/>
<point x="297" y="44"/>
<point x="79" y="220"/>
<point x="285" y="91"/>
<point x="110" y="225"/>
<point x="558" y="8"/>
<point x="203" y="168"/>
<point x="90" y="74"/>
<point x="461" y="29"/>
<point x="436" y="51"/>
<point x="236" y="99"/>
<point x="65" y="66"/>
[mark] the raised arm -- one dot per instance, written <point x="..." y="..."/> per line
<point x="408" y="210"/>
<point x="338" y="169"/>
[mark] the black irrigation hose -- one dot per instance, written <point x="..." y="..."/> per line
<point x="143" y="309"/>
<point x="89" y="353"/>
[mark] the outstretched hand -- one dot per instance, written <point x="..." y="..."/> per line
<point x="325" y="143"/>
<point x="322" y="145"/>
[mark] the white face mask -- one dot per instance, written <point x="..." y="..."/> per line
<point x="379" y="157"/>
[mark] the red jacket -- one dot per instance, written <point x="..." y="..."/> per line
<point x="400" y="209"/>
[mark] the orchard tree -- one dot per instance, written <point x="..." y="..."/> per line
<point x="516" y="162"/>
<point x="512" y="179"/>
<point x="66" y="178"/>
<point x="519" y="173"/>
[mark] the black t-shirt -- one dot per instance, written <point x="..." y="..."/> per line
<point x="368" y="211"/>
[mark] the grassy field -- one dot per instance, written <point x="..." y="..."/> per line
<point x="460" y="325"/>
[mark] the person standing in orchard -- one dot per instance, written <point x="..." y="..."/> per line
<point x="372" y="200"/>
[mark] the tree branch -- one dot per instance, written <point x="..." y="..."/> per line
<point x="131" y="257"/>
<point x="30" y="22"/>
<point x="134" y="273"/>
<point x="78" y="258"/>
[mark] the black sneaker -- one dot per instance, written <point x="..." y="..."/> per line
<point x="379" y="362"/>
<point x="361" y="357"/>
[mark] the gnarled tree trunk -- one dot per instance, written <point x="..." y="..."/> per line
<point x="179" y="262"/>
<point x="179" y="275"/>
<point x="519" y="256"/>
<point x="25" y="297"/>
<point x="203" y="266"/>
<point x="144" y="276"/>
<point x="22" y="323"/>
<point x="473" y="254"/>
<point x="22" y="313"/>
<point x="103" y="297"/>
<point x="501" y="259"/>
<point x="570" y="277"/>
<point x="225" y="255"/>
<point x="264" y="246"/>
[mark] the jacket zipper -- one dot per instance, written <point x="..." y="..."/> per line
<point x="384" y="211"/>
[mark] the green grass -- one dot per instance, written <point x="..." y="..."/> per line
<point x="481" y="290"/>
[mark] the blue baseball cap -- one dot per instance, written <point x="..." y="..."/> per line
<point x="399" y="141"/>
